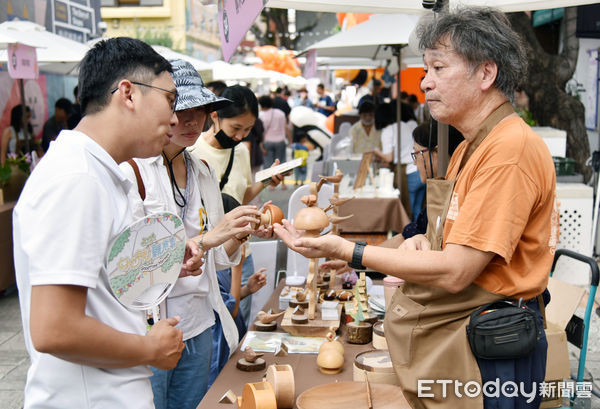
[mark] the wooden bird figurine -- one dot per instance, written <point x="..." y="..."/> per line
<point x="267" y="317"/>
<point x="250" y="355"/>
<point x="300" y="296"/>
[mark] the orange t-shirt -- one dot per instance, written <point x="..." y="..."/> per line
<point x="504" y="202"/>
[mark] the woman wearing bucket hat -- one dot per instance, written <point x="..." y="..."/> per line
<point x="179" y="183"/>
<point x="221" y="147"/>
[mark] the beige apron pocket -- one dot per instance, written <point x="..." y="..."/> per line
<point x="400" y="320"/>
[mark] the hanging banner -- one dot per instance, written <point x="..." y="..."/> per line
<point x="310" y="67"/>
<point x="235" y="19"/>
<point x="22" y="62"/>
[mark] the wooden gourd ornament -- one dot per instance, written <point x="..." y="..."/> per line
<point x="331" y="355"/>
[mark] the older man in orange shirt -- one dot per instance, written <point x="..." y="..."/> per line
<point x="492" y="226"/>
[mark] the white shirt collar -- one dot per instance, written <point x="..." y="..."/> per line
<point x="98" y="152"/>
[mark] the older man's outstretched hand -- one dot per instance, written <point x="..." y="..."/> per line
<point x="323" y="246"/>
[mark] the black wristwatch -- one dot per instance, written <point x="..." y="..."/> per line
<point x="357" y="255"/>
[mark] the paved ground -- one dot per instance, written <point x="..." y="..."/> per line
<point x="14" y="360"/>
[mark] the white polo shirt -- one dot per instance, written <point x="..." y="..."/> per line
<point x="73" y="205"/>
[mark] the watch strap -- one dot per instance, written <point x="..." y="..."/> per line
<point x="357" y="256"/>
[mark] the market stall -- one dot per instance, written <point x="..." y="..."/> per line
<point x="306" y="371"/>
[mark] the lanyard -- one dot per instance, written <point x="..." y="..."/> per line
<point x="174" y="187"/>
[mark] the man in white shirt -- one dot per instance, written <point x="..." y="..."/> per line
<point x="86" y="349"/>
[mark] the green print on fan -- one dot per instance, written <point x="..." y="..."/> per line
<point x="119" y="244"/>
<point x="145" y="260"/>
<point x="148" y="240"/>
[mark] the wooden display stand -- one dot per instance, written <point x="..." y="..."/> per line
<point x="314" y="328"/>
<point x="313" y="220"/>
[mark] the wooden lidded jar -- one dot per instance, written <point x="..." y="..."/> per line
<point x="281" y="377"/>
<point x="259" y="395"/>
<point x="377" y="364"/>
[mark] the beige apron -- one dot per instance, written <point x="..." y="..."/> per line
<point x="425" y="327"/>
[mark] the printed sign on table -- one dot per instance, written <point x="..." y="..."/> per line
<point x="22" y="62"/>
<point x="235" y="19"/>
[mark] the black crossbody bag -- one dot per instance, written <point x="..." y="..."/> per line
<point x="503" y="330"/>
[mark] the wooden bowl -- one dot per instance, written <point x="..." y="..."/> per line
<point x="344" y="395"/>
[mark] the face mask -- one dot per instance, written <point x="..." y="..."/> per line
<point x="368" y="122"/>
<point x="225" y="141"/>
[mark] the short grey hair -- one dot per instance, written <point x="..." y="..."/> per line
<point x="480" y="34"/>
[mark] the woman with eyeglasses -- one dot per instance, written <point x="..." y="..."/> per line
<point x="179" y="183"/>
<point x="425" y="158"/>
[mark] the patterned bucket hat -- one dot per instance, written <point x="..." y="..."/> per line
<point x="191" y="92"/>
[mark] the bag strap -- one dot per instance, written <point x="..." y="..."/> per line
<point x="542" y="308"/>
<point x="225" y="176"/>
<point x="138" y="178"/>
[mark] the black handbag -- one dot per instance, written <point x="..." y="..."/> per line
<point x="503" y="330"/>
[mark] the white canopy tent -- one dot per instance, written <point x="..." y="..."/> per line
<point x="55" y="54"/>
<point x="169" y="54"/>
<point x="415" y="6"/>
<point x="374" y="39"/>
<point x="7" y="37"/>
<point x="350" y="6"/>
<point x="509" y="6"/>
<point x="239" y="72"/>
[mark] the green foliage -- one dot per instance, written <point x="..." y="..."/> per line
<point x="526" y="115"/>
<point x="5" y="172"/>
<point x="119" y="245"/>
<point x="155" y="37"/>
<point x="22" y="163"/>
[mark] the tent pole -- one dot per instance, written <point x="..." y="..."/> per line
<point x="402" y="181"/>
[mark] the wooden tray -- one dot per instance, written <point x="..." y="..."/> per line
<point x="344" y="395"/>
<point x="314" y="328"/>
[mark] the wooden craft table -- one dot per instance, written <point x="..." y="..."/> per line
<point x="306" y="372"/>
<point x="373" y="215"/>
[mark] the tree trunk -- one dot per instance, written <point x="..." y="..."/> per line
<point x="545" y="84"/>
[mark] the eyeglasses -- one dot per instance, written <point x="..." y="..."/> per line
<point x="417" y="153"/>
<point x="173" y="103"/>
